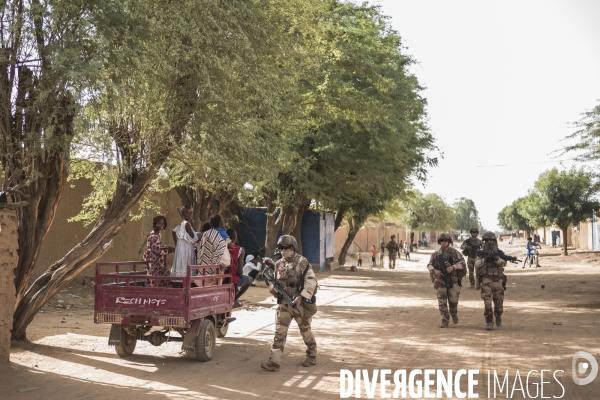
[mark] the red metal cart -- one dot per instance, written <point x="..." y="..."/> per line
<point x="195" y="311"/>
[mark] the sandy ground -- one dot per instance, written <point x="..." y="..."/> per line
<point x="368" y="319"/>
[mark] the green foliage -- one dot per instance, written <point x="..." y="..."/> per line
<point x="466" y="214"/>
<point x="512" y="217"/>
<point x="587" y="136"/>
<point x="565" y="197"/>
<point x="422" y="213"/>
<point x="365" y="134"/>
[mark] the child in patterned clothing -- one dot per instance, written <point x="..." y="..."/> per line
<point x="155" y="252"/>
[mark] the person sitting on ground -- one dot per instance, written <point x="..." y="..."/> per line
<point x="252" y="267"/>
<point x="249" y="273"/>
<point x="155" y="252"/>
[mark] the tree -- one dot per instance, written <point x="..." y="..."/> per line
<point x="512" y="217"/>
<point x="423" y="213"/>
<point x="159" y="62"/>
<point x="50" y="57"/>
<point x="366" y="136"/>
<point x="588" y="136"/>
<point x="466" y="214"/>
<point x="565" y="197"/>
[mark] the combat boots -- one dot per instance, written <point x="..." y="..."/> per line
<point x="274" y="361"/>
<point x="444" y="324"/>
<point x="489" y="326"/>
<point x="270" y="366"/>
<point x="455" y="319"/>
<point x="498" y="320"/>
<point x="310" y="361"/>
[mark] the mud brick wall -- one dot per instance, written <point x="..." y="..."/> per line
<point x="8" y="262"/>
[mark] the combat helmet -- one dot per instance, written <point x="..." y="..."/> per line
<point x="474" y="230"/>
<point x="444" y="236"/>
<point x="489" y="236"/>
<point x="288" y="240"/>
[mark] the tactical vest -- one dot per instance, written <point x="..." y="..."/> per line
<point x="492" y="269"/>
<point x="448" y="257"/>
<point x="288" y="274"/>
<point x="475" y="244"/>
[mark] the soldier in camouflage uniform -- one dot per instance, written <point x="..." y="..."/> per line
<point x="289" y="271"/>
<point x="393" y="249"/>
<point x="469" y="248"/>
<point x="455" y="266"/>
<point x="491" y="272"/>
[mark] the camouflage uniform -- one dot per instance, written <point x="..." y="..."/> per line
<point x="447" y="298"/>
<point x="492" y="273"/>
<point x="288" y="273"/>
<point x="393" y="249"/>
<point x="474" y="243"/>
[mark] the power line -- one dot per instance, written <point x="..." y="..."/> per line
<point x="531" y="163"/>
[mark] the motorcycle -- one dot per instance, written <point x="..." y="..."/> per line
<point x="532" y="259"/>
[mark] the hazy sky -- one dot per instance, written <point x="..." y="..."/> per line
<point x="504" y="80"/>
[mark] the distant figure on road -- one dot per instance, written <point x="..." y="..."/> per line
<point x="393" y="250"/>
<point x="373" y="251"/>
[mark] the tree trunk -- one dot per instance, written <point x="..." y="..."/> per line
<point x="8" y="262"/>
<point x="96" y="243"/>
<point x="297" y="232"/>
<point x="565" y="242"/>
<point x="412" y="239"/>
<point x="354" y="225"/>
<point x="339" y="217"/>
<point x="273" y="224"/>
<point x="35" y="219"/>
<point x="204" y="203"/>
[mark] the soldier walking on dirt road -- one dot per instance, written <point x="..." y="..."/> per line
<point x="296" y="276"/>
<point x="491" y="271"/>
<point x="455" y="266"/>
<point x="393" y="249"/>
<point x="469" y="248"/>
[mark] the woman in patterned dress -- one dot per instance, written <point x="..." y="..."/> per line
<point x="155" y="252"/>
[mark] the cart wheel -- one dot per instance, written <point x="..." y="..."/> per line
<point x="126" y="344"/>
<point x="206" y="341"/>
<point x="222" y="331"/>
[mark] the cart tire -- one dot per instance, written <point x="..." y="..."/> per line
<point x="206" y="341"/>
<point x="222" y="331"/>
<point x="126" y="345"/>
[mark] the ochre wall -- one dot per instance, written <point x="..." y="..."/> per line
<point x="64" y="235"/>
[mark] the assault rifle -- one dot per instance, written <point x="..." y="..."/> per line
<point x="499" y="254"/>
<point x="441" y="266"/>
<point x="271" y="279"/>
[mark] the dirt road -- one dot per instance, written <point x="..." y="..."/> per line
<point x="369" y="319"/>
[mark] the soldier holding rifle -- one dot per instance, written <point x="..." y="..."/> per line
<point x="447" y="266"/>
<point x="294" y="285"/>
<point x="490" y="265"/>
